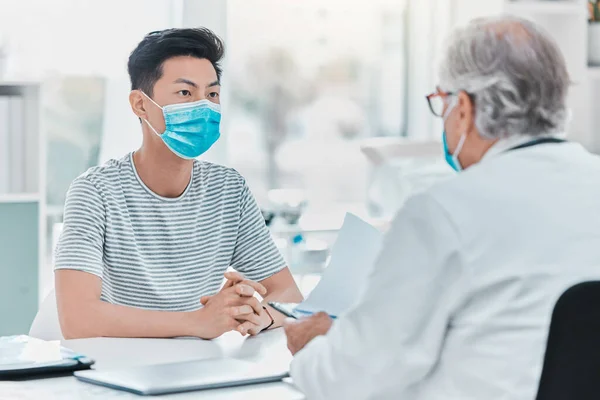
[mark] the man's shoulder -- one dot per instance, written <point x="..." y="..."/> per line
<point x="108" y="171"/>
<point x="95" y="181"/>
<point x="216" y="173"/>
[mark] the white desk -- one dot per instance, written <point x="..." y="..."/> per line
<point x="268" y="348"/>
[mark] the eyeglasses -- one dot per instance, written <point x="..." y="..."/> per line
<point x="437" y="102"/>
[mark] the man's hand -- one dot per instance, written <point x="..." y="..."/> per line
<point x="300" y="332"/>
<point x="247" y="321"/>
<point x="253" y="328"/>
<point x="235" y="279"/>
<point x="221" y="313"/>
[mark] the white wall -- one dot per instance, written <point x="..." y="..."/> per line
<point x="77" y="37"/>
<point x="466" y="10"/>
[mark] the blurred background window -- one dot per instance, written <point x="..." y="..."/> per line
<point x="307" y="87"/>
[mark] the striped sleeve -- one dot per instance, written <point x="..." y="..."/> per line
<point x="81" y="242"/>
<point x="255" y="254"/>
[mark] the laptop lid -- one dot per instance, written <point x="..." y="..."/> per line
<point x="182" y="377"/>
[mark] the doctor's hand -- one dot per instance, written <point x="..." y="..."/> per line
<point x="300" y="332"/>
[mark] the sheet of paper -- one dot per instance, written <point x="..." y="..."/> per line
<point x="352" y="259"/>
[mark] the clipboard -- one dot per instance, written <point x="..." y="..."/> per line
<point x="343" y="282"/>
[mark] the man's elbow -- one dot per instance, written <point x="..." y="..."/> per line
<point x="74" y="325"/>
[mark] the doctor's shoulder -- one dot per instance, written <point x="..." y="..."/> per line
<point x="449" y="197"/>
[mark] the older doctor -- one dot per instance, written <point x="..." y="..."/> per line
<point x="459" y="303"/>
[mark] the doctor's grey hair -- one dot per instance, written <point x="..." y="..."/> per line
<point x="514" y="73"/>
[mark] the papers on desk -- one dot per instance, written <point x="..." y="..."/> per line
<point x="352" y="259"/>
<point x="25" y="356"/>
<point x="18" y="350"/>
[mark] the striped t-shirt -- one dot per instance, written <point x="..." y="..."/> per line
<point x="164" y="253"/>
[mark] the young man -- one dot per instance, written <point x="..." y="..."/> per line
<point x="148" y="238"/>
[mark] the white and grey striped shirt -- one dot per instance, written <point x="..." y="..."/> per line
<point x="163" y="253"/>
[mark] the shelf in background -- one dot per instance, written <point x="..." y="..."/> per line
<point x="553" y="7"/>
<point x="594" y="71"/>
<point x="19" y="83"/>
<point x="19" y="198"/>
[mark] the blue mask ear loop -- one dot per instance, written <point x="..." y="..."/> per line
<point x="461" y="142"/>
<point x="145" y="120"/>
<point x="463" y="137"/>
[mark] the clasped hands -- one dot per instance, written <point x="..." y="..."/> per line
<point x="234" y="307"/>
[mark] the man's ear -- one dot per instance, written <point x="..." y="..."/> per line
<point x="466" y="109"/>
<point x="136" y="100"/>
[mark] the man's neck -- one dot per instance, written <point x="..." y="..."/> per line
<point x="162" y="171"/>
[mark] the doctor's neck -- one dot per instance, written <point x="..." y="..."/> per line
<point x="474" y="149"/>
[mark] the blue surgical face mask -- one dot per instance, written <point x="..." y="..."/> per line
<point x="190" y="128"/>
<point x="452" y="159"/>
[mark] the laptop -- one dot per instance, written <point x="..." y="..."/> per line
<point x="182" y="376"/>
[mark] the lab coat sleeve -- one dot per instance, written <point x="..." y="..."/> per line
<point x="392" y="339"/>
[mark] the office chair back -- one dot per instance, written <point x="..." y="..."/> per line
<point x="46" y="325"/>
<point x="571" y="368"/>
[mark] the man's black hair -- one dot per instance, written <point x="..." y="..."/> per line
<point x="146" y="61"/>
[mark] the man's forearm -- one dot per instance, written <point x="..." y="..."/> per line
<point x="286" y="295"/>
<point x="99" y="318"/>
<point x="282" y="288"/>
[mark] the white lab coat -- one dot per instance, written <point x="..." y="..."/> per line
<point x="459" y="303"/>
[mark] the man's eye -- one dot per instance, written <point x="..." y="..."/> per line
<point x="213" y="95"/>
<point x="185" y="93"/>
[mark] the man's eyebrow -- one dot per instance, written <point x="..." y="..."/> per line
<point x="186" y="81"/>
<point x="215" y="83"/>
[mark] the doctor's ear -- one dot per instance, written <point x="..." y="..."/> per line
<point x="466" y="110"/>
<point x="136" y="100"/>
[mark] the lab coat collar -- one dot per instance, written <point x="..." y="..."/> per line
<point x="505" y="144"/>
